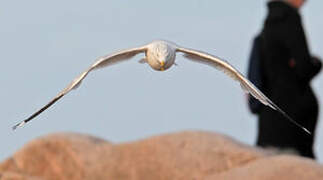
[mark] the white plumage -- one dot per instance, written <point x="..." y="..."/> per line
<point x="160" y="55"/>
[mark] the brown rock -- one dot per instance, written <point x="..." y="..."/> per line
<point x="275" y="167"/>
<point x="58" y="156"/>
<point x="185" y="155"/>
<point x="16" y="176"/>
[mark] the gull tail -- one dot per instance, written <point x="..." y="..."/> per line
<point x="290" y="119"/>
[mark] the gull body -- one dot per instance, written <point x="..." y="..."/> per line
<point x="161" y="55"/>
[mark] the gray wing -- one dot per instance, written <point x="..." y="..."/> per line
<point x="228" y="69"/>
<point x="100" y="63"/>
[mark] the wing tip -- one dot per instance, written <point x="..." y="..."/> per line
<point x="307" y="131"/>
<point x="293" y="121"/>
<point x="18" y="125"/>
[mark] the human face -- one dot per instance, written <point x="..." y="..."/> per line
<point x="296" y="3"/>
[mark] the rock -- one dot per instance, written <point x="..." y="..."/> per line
<point x="58" y="156"/>
<point x="184" y="155"/>
<point x="16" y="176"/>
<point x="275" y="167"/>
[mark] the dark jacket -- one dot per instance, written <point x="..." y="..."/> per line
<point x="288" y="69"/>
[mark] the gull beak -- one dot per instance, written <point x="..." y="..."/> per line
<point x="162" y="63"/>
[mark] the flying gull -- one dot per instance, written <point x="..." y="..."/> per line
<point x="160" y="55"/>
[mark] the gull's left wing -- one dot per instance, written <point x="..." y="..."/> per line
<point x="100" y="63"/>
<point x="228" y="69"/>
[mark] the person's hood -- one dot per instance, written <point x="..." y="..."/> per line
<point x="280" y="10"/>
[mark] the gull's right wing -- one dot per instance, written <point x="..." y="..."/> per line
<point x="100" y="63"/>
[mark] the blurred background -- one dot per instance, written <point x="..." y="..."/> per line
<point x="45" y="44"/>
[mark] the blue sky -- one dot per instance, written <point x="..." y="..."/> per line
<point x="45" y="44"/>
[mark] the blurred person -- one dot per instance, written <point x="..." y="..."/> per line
<point x="287" y="68"/>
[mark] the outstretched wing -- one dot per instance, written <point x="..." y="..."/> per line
<point x="100" y="63"/>
<point x="228" y="69"/>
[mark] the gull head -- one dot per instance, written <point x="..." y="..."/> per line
<point x="160" y="55"/>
